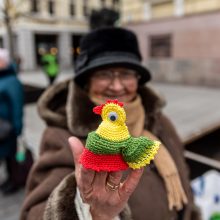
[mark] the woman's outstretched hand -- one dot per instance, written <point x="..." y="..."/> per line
<point x="103" y="191"/>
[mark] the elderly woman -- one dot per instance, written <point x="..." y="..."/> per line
<point x="108" y="67"/>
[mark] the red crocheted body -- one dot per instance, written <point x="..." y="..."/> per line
<point x="107" y="162"/>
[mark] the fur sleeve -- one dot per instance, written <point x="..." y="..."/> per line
<point x="60" y="204"/>
<point x="53" y="165"/>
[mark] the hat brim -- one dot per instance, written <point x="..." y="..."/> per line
<point x="115" y="61"/>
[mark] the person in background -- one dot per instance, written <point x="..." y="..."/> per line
<point x="11" y="109"/>
<point x="50" y="66"/>
<point x="108" y="67"/>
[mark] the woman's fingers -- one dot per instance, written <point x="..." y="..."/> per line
<point x="130" y="183"/>
<point x="84" y="177"/>
<point x="113" y="180"/>
<point x="99" y="181"/>
<point x="114" y="177"/>
<point x="92" y="183"/>
<point x="76" y="147"/>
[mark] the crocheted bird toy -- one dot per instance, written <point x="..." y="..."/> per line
<point x="111" y="147"/>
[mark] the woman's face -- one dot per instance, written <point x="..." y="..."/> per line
<point x="114" y="83"/>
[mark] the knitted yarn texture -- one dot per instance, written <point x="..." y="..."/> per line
<point x="111" y="148"/>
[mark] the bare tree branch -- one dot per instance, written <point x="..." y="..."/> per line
<point x="11" y="12"/>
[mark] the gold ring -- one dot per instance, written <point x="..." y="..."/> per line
<point x="112" y="186"/>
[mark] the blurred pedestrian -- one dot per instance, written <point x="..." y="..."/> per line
<point x="50" y="66"/>
<point x="11" y="110"/>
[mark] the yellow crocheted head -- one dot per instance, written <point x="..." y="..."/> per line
<point x="113" y="126"/>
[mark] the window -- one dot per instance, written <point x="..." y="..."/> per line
<point x="160" y="46"/>
<point x="85" y="8"/>
<point x="34" y="6"/>
<point x="72" y="8"/>
<point x="51" y="5"/>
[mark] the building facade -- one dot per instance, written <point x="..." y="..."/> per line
<point x="179" y="39"/>
<point x="54" y="26"/>
<point x="144" y="10"/>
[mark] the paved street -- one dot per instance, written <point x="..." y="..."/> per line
<point x="33" y="125"/>
<point x="192" y="110"/>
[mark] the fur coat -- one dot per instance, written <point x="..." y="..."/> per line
<point x="51" y="186"/>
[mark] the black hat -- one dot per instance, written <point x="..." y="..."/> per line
<point x="109" y="47"/>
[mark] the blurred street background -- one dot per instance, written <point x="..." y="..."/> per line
<point x="179" y="42"/>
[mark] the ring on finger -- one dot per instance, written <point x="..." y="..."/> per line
<point x="112" y="186"/>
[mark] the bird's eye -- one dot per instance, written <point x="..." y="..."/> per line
<point x="113" y="116"/>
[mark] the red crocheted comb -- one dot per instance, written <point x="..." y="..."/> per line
<point x="98" y="109"/>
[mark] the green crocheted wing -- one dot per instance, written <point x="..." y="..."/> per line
<point x="99" y="145"/>
<point x="140" y="151"/>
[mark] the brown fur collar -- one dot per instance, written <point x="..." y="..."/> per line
<point x="66" y="105"/>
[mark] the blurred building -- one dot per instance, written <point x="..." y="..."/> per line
<point x="179" y="39"/>
<point x="54" y="26"/>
